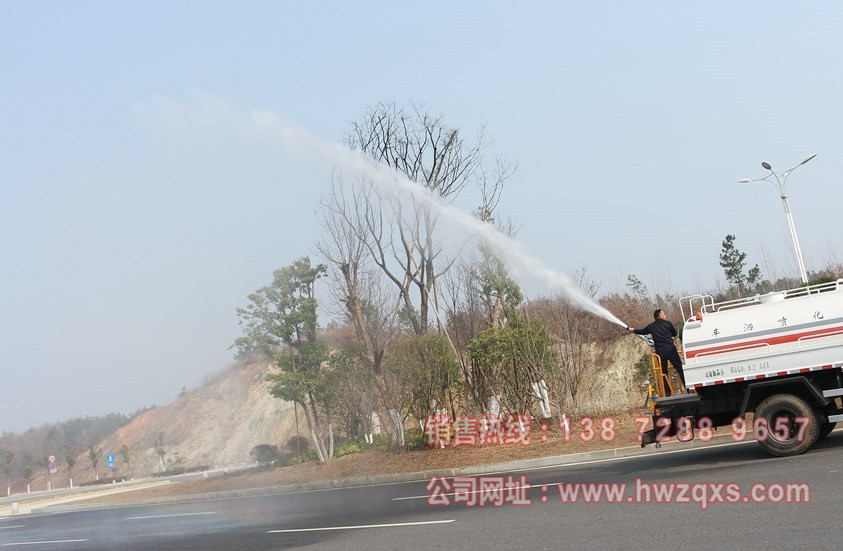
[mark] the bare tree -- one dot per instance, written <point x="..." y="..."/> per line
<point x="94" y="455"/>
<point x="363" y="301"/>
<point x="575" y="333"/>
<point x="479" y="294"/>
<point x="345" y="216"/>
<point x="160" y="450"/>
<point x="466" y="316"/>
<point x="435" y="156"/>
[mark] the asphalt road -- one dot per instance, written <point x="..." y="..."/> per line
<point x="398" y="516"/>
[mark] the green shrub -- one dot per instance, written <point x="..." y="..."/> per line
<point x="643" y="369"/>
<point x="381" y="442"/>
<point x="297" y="444"/>
<point x="305" y="457"/>
<point x="265" y="454"/>
<point x="415" y="439"/>
<point x="350" y="445"/>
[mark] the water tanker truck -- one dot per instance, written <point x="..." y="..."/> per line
<point x="778" y="356"/>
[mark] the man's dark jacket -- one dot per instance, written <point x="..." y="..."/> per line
<point x="662" y="332"/>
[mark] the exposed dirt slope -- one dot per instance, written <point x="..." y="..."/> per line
<point x="215" y="425"/>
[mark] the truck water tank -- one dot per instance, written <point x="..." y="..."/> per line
<point x="772" y="297"/>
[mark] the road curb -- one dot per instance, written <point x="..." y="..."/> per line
<point x="510" y="466"/>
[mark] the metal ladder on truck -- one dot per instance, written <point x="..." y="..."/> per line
<point x="661" y="378"/>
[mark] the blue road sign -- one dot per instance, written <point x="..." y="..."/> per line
<point x="109" y="459"/>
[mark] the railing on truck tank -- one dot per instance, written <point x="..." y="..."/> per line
<point x="699" y="305"/>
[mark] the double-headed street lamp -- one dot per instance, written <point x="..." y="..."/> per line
<point x="780" y="180"/>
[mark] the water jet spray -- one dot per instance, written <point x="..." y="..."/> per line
<point x="390" y="183"/>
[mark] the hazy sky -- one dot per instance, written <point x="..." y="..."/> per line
<point x="140" y="206"/>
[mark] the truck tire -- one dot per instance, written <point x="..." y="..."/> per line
<point x="825" y="430"/>
<point x="790" y="407"/>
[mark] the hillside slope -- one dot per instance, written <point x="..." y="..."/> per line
<point x="215" y="425"/>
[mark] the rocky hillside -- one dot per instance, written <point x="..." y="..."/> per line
<point x="613" y="386"/>
<point x="215" y="425"/>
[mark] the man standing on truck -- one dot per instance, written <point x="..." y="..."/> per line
<point x="663" y="333"/>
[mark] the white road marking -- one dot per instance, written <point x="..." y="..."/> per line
<point x="173" y="515"/>
<point x="15" y="526"/>
<point x="427" y="496"/>
<point x="361" y="526"/>
<point x="41" y="542"/>
<point x="488" y="491"/>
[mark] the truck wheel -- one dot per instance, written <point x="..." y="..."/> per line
<point x="825" y="430"/>
<point x="786" y="435"/>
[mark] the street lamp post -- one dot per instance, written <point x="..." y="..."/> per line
<point x="780" y="180"/>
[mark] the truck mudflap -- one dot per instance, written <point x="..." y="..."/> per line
<point x="670" y="409"/>
<point x="664" y="428"/>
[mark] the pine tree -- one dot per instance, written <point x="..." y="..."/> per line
<point x="733" y="262"/>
